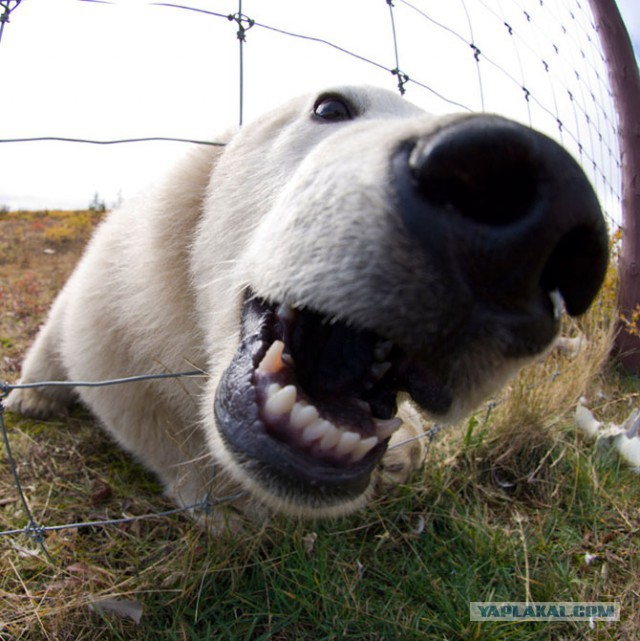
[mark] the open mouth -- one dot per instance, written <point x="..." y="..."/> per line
<point x="308" y="403"/>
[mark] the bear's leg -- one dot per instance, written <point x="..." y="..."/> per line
<point x="43" y="362"/>
<point x="406" y="452"/>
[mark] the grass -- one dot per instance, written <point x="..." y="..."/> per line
<point x="37" y="253"/>
<point x="507" y="508"/>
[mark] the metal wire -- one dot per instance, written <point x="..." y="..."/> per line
<point x="6" y="13"/>
<point x="5" y="388"/>
<point x="402" y="77"/>
<point x="32" y="530"/>
<point x="37" y="532"/>
<point x="112" y="142"/>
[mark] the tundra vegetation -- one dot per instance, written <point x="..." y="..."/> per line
<point x="513" y="505"/>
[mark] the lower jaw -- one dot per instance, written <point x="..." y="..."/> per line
<point x="288" y="494"/>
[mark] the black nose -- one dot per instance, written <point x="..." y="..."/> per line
<point x="504" y="213"/>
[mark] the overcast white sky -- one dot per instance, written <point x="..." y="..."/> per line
<point x="129" y="69"/>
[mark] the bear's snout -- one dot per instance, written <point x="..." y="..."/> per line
<point x="506" y="216"/>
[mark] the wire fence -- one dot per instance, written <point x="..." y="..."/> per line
<point x="35" y="531"/>
<point x="7" y="7"/>
<point x="536" y="61"/>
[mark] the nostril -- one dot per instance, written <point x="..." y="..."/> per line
<point x="504" y="214"/>
<point x="486" y="171"/>
<point x="576" y="267"/>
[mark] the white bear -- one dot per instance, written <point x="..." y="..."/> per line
<point x="345" y="253"/>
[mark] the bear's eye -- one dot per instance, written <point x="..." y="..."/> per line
<point x="332" y="109"/>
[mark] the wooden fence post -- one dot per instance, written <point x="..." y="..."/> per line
<point x="625" y="82"/>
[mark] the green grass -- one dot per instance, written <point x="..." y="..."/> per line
<point x="506" y="508"/>
<point x="405" y="568"/>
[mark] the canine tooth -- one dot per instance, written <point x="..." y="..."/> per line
<point x="347" y="443"/>
<point x="558" y="303"/>
<point x="281" y="402"/>
<point x="382" y="350"/>
<point x="385" y="428"/>
<point x="363" y="447"/>
<point x="380" y="369"/>
<point x="330" y="439"/>
<point x="272" y="360"/>
<point x="316" y="430"/>
<point x="303" y="415"/>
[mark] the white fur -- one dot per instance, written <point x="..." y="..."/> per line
<point x="290" y="207"/>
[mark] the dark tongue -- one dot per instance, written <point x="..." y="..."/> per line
<point x="331" y="358"/>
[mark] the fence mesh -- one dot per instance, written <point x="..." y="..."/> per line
<point x="536" y="61"/>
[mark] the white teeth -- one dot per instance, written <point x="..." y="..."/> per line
<point x="330" y="439"/>
<point x="281" y="402"/>
<point x="334" y="441"/>
<point x="384" y="429"/>
<point x="317" y="430"/>
<point x="338" y="442"/>
<point x="380" y="369"/>
<point x="347" y="443"/>
<point x="558" y="303"/>
<point x="272" y="360"/>
<point x="303" y="415"/>
<point x="382" y="350"/>
<point x="363" y="447"/>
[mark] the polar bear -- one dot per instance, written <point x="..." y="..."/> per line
<point x="345" y="255"/>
